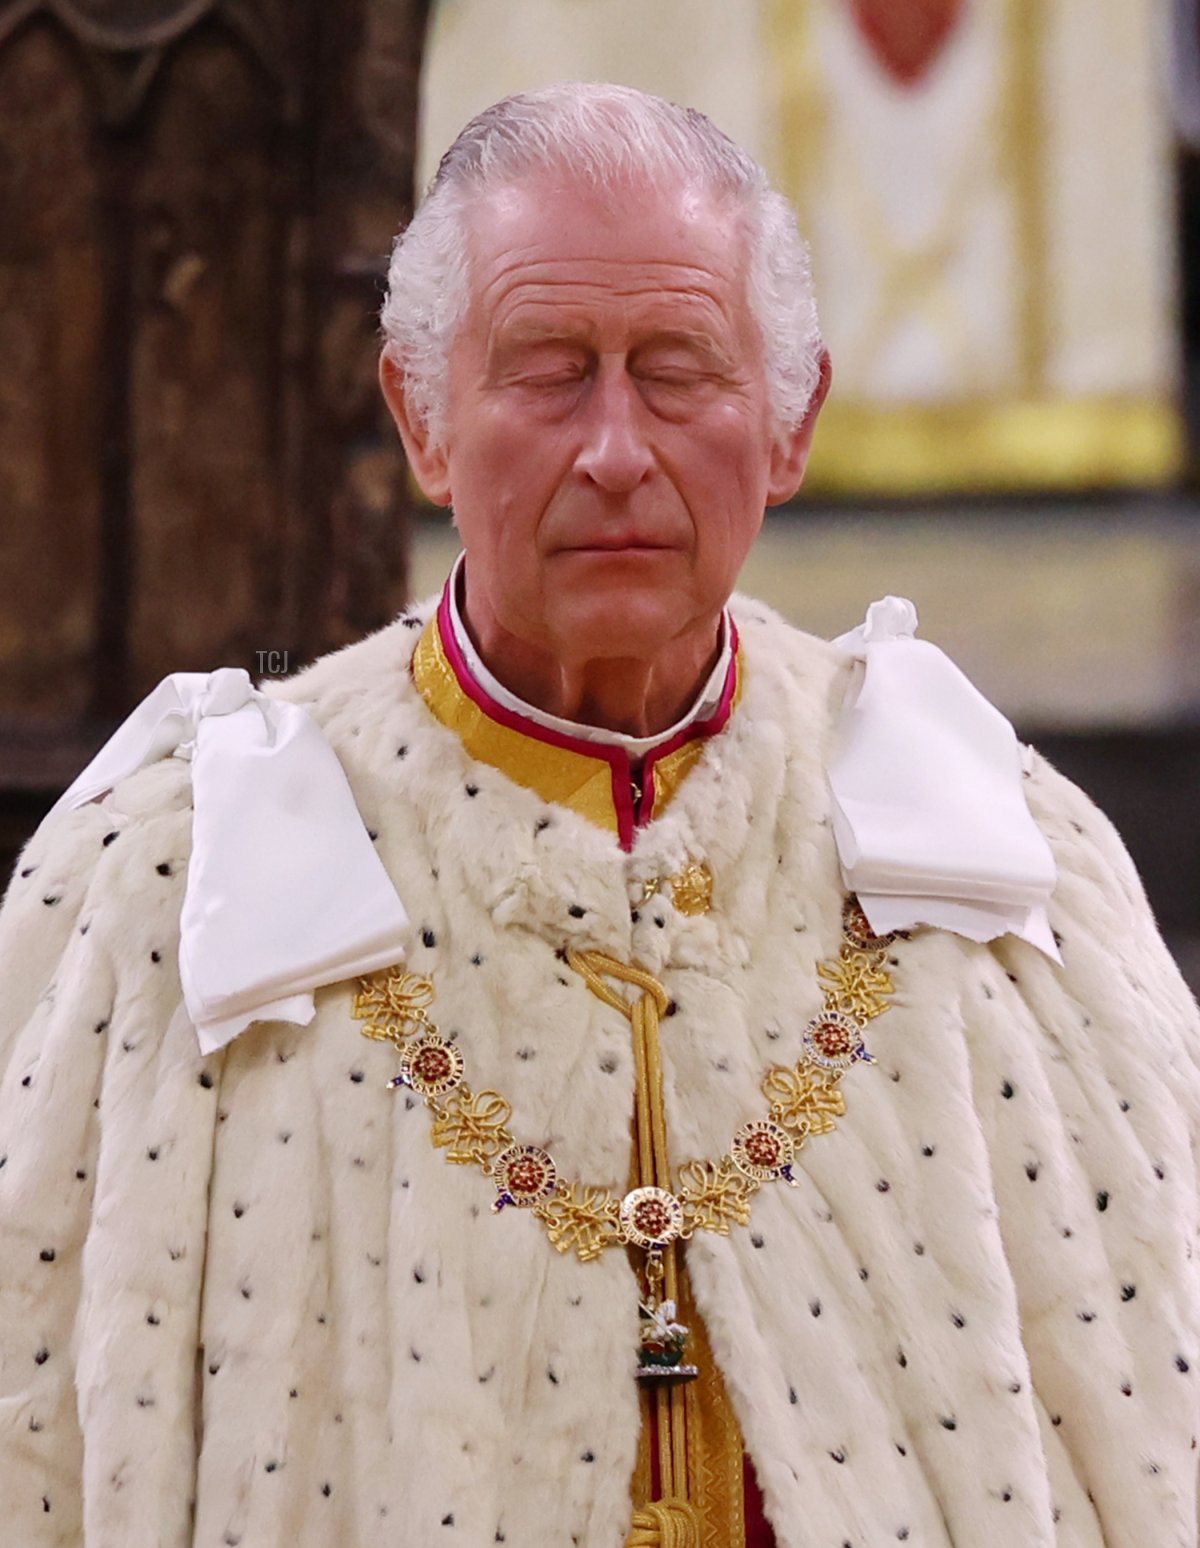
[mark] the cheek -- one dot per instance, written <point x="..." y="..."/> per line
<point x="724" y="475"/>
<point x="502" y="480"/>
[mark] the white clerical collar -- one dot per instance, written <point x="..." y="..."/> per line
<point x="704" y="707"/>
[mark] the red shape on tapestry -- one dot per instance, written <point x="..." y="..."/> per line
<point x="906" y="36"/>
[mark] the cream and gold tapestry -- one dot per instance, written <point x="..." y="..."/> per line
<point x="985" y="185"/>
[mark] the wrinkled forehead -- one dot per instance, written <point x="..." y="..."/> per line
<point x="550" y="230"/>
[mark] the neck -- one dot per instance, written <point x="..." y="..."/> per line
<point x="627" y="694"/>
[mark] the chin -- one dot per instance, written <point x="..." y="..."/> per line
<point x="619" y="622"/>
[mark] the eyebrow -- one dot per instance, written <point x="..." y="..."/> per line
<point x="532" y="333"/>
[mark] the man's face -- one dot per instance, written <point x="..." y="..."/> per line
<point x="608" y="448"/>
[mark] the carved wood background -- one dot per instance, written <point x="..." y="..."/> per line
<point x="196" y="203"/>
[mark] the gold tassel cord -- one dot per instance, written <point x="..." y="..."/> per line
<point x="665" y="1524"/>
<point x="654" y="1170"/>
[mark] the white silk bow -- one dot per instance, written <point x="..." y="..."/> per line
<point x="930" y="816"/>
<point x="284" y="889"/>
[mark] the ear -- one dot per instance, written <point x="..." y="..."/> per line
<point x="789" y="455"/>
<point x="429" y="463"/>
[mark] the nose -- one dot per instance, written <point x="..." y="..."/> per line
<point x="615" y="454"/>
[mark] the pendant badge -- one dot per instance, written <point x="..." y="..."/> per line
<point x="662" y="1342"/>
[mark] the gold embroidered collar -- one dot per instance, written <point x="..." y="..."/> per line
<point x="600" y="782"/>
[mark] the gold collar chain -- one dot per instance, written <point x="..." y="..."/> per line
<point x="710" y="1195"/>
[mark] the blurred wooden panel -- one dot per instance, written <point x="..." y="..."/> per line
<point x="52" y="385"/>
<point x="196" y="206"/>
<point x="210" y="220"/>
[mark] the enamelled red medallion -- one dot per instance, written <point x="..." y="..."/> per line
<point x="651" y="1217"/>
<point x="525" y="1175"/>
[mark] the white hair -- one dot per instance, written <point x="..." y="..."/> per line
<point x="601" y="135"/>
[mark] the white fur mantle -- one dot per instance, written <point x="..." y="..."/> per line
<point x="244" y="1301"/>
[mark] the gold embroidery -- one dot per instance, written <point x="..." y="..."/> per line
<point x="393" y="1005"/>
<point x="472" y="1127"/>
<point x="673" y="768"/>
<point x="715" y="1196"/>
<point x="692" y="889"/>
<point x="716" y="1457"/>
<point x="804" y="1100"/>
<point x="856" y="985"/>
<point x="582" y="1220"/>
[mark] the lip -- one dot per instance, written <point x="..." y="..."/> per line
<point x="618" y="545"/>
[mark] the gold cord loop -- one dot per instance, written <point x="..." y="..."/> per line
<point x="665" y="1524"/>
<point x="594" y="966"/>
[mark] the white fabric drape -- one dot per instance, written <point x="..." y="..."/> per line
<point x="930" y="816"/>
<point x="284" y="889"/>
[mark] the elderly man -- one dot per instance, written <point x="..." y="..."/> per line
<point x="675" y="1196"/>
